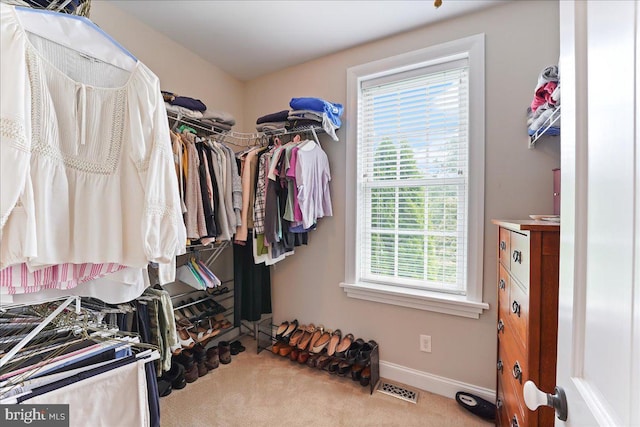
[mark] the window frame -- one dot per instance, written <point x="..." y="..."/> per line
<point x="469" y="305"/>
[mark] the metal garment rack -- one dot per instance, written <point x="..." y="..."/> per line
<point x="46" y="321"/>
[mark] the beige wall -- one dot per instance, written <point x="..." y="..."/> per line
<point x="521" y="39"/>
<point x="180" y="70"/>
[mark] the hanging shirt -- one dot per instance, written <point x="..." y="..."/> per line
<point x="312" y="177"/>
<point x="86" y="171"/>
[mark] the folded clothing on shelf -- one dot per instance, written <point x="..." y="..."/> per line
<point x="183" y="111"/>
<point x="190" y="103"/>
<point x="305" y="114"/>
<point x="262" y="127"/>
<point x="217" y="125"/>
<point x="217" y="116"/>
<point x="280" y="116"/>
<point x="332" y="110"/>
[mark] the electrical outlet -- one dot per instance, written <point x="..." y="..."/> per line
<point x="425" y="343"/>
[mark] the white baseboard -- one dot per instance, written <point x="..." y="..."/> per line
<point x="432" y="383"/>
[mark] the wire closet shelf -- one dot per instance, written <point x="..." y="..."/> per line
<point x="241" y="139"/>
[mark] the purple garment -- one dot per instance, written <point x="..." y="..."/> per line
<point x="190" y="103"/>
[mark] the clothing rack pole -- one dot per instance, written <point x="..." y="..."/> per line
<point x="39" y="328"/>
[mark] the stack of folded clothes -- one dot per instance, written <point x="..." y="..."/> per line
<point x="195" y="109"/>
<point x="546" y="101"/>
<point x="317" y="110"/>
<point x="273" y="121"/>
<point x="304" y="112"/>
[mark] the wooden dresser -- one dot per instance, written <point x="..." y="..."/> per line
<point x="528" y="270"/>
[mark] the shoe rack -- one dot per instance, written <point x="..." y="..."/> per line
<point x="265" y="338"/>
<point x="220" y="300"/>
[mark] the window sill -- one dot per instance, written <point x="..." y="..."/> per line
<point x="422" y="300"/>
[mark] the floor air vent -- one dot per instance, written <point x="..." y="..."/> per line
<point x="400" y="392"/>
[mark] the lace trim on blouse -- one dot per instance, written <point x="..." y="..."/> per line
<point x="105" y="166"/>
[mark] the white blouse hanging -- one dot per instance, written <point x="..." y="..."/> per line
<point x="87" y="172"/>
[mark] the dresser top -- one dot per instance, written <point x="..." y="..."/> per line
<point x="527" y="224"/>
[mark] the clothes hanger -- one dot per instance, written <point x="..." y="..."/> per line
<point x="77" y="33"/>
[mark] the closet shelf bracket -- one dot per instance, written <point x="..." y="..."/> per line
<point x="555" y="116"/>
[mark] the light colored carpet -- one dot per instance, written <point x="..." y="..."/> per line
<point x="268" y="390"/>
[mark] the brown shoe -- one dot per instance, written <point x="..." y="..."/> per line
<point x="344" y="345"/>
<point x="202" y="369"/>
<point x="224" y="352"/>
<point x="285" y="350"/>
<point x="365" y="376"/>
<point x="303" y="357"/>
<point x="294" y="354"/>
<point x="317" y="334"/>
<point x="312" y="361"/>
<point x="192" y="374"/>
<point x="295" y="338"/>
<point x="336" y="336"/>
<point x="323" y="361"/>
<point x="321" y="343"/>
<point x="306" y="338"/>
<point x="356" y="371"/>
<point x="275" y="348"/>
<point x="213" y="360"/>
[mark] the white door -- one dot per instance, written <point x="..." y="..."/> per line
<point x="599" y="310"/>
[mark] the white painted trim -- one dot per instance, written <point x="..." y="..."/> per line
<point x="473" y="47"/>
<point x="415" y="298"/>
<point x="600" y="409"/>
<point x="443" y="386"/>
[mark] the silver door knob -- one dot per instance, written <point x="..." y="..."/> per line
<point x="534" y="397"/>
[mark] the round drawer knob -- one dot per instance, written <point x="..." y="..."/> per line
<point x="502" y="284"/>
<point x="500" y="326"/>
<point x="514" y="421"/>
<point x="503" y="245"/>
<point x="499" y="365"/>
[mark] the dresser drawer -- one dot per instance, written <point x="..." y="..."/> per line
<point x="520" y="258"/>
<point x="504" y="283"/>
<point x="515" y="372"/>
<point x="518" y="313"/>
<point x="528" y="272"/>
<point x="504" y="246"/>
<point x="511" y="416"/>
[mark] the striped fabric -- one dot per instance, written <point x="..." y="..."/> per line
<point x="17" y="279"/>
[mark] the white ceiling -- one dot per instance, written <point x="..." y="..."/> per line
<point x="250" y="38"/>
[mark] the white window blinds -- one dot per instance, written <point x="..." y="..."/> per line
<point x="413" y="145"/>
